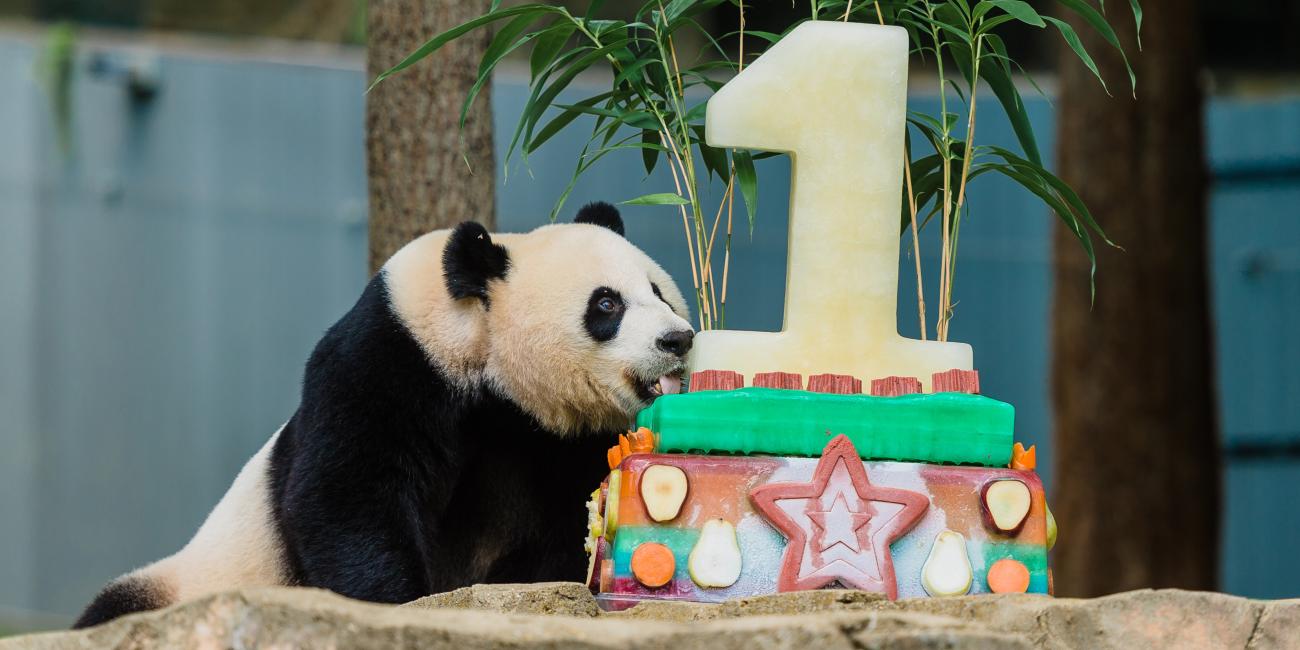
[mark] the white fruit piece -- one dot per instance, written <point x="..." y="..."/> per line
<point x="663" y="490"/>
<point x="1006" y="505"/>
<point x="947" y="572"/>
<point x="595" y="523"/>
<point x="715" y="560"/>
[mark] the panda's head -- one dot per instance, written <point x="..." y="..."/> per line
<point x="571" y="322"/>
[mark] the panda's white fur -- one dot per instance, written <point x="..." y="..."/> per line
<point x="327" y="501"/>
<point x="235" y="545"/>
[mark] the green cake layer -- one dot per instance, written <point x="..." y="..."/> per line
<point x="931" y="428"/>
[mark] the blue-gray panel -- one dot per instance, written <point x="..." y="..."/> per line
<point x="1261" y="529"/>
<point x="188" y="254"/>
<point x="18" y="300"/>
<point x="1255" y="272"/>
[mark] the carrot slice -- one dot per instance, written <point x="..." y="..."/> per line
<point x="641" y="441"/>
<point x="614" y="456"/>
<point x="1008" y="576"/>
<point x="653" y="564"/>
<point x="1022" y="458"/>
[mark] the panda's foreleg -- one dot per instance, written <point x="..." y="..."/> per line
<point x="368" y="562"/>
<point x="358" y="522"/>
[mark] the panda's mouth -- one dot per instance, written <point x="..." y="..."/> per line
<point x="669" y="383"/>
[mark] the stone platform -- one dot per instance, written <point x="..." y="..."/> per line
<point x="564" y="615"/>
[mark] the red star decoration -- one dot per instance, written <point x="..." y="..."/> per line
<point x="839" y="525"/>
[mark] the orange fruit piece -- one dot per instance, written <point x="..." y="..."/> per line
<point x="1008" y="576"/>
<point x="653" y="564"/>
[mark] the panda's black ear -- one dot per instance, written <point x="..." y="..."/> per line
<point x="601" y="214"/>
<point x="470" y="260"/>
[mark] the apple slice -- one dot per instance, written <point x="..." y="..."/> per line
<point x="1006" y="505"/>
<point x="663" y="490"/>
<point x="715" y="560"/>
<point x="947" y="572"/>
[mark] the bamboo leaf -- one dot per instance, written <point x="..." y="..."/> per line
<point x="531" y="104"/>
<point x="436" y="43"/>
<point x="681" y="9"/>
<point x="989" y="25"/>
<point x="561" y="82"/>
<point x="548" y="46"/>
<point x="1066" y="217"/>
<point x="631" y="72"/>
<point x="697" y="112"/>
<point x="1019" y="10"/>
<point x="562" y="120"/>
<point x="506" y="41"/>
<point x="953" y="30"/>
<point x="649" y="156"/>
<point x="1137" y="20"/>
<point x="1098" y="23"/>
<point x="1059" y="186"/>
<point x="715" y="159"/>
<point x="747" y="179"/>
<point x="1014" y="107"/>
<point x="767" y="36"/>
<point x="1072" y="39"/>
<point x="661" y="198"/>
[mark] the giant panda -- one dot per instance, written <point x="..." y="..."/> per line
<point x="451" y="427"/>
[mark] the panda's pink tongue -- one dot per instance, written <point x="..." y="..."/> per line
<point x="670" y="385"/>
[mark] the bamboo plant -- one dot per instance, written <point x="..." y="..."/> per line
<point x="656" y="105"/>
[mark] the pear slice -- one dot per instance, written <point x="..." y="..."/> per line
<point x="1006" y="505"/>
<point x="612" y="502"/>
<point x="715" y="560"/>
<point x="1051" y="528"/>
<point x="663" y="490"/>
<point x="947" y="572"/>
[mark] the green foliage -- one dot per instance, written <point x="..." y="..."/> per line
<point x="646" y="107"/>
<point x="55" y="69"/>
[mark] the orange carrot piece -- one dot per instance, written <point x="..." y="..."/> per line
<point x="624" y="446"/>
<point x="1008" y="576"/>
<point x="1022" y="458"/>
<point x="653" y="564"/>
<point x="614" y="456"/>
<point x="642" y="441"/>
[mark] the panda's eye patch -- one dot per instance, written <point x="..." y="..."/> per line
<point x="659" y="294"/>
<point x="605" y="310"/>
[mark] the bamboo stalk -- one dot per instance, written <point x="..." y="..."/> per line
<point x="916" y="242"/>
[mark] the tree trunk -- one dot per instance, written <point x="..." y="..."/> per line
<point x="1137" y="488"/>
<point x="425" y="173"/>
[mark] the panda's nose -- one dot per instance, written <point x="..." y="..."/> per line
<point x="678" y="342"/>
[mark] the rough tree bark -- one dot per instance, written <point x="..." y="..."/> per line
<point x="1137" y="471"/>
<point x="424" y="172"/>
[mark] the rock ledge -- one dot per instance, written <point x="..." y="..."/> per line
<point x="564" y="615"/>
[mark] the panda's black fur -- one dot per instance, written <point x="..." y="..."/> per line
<point x="391" y="481"/>
<point x="456" y="472"/>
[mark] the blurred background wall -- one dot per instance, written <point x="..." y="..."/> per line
<point x="183" y="212"/>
